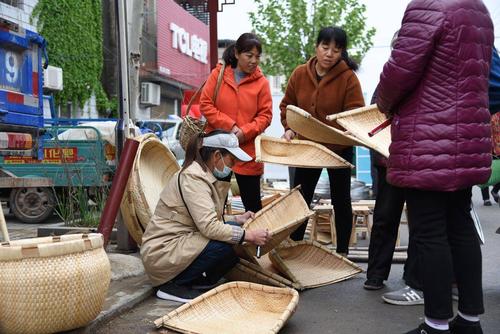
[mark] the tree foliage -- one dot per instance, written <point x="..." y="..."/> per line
<point x="288" y="30"/>
<point x="73" y="30"/>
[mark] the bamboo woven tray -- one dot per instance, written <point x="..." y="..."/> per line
<point x="249" y="272"/>
<point x="304" y="124"/>
<point x="280" y="218"/>
<point x="360" y="121"/>
<point x="154" y="165"/>
<point x="312" y="265"/>
<point x="297" y="153"/>
<point x="234" y="308"/>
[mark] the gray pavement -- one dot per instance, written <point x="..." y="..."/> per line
<point x="342" y="308"/>
<point x="346" y="307"/>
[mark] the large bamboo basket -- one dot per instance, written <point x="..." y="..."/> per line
<point x="249" y="272"/>
<point x="129" y="216"/>
<point x="234" y="308"/>
<point x="360" y="121"/>
<point x="52" y="284"/>
<point x="297" y="153"/>
<point x="127" y="206"/>
<point x="306" y="125"/>
<point x="154" y="165"/>
<point x="311" y="264"/>
<point x="280" y="218"/>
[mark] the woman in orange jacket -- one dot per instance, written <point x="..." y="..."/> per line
<point x="326" y="85"/>
<point x="243" y="106"/>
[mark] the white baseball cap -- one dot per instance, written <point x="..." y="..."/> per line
<point x="229" y="141"/>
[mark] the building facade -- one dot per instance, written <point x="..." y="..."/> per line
<point x="175" y="52"/>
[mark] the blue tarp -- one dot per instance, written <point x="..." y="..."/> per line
<point x="494" y="90"/>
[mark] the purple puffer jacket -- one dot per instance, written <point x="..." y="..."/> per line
<point x="436" y="86"/>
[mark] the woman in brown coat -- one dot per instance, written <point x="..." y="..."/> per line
<point x="187" y="242"/>
<point x="326" y="85"/>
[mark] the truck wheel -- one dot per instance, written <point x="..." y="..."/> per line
<point x="32" y="205"/>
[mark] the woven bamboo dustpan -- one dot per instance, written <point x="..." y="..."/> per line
<point x="280" y="218"/>
<point x="234" y="308"/>
<point x="52" y="284"/>
<point x="127" y="206"/>
<point x="363" y="120"/>
<point x="311" y="264"/>
<point x="249" y="272"/>
<point x="154" y="165"/>
<point x="297" y="153"/>
<point x="304" y="124"/>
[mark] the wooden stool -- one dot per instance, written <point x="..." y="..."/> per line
<point x="323" y="221"/>
<point x="360" y="223"/>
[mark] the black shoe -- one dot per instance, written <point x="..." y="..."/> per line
<point x="461" y="326"/>
<point x="426" y="329"/>
<point x="177" y="293"/>
<point x="487" y="202"/>
<point x="374" y="284"/>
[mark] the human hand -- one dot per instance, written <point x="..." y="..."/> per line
<point x="258" y="237"/>
<point x="288" y="135"/>
<point x="241" y="219"/>
<point x="239" y="134"/>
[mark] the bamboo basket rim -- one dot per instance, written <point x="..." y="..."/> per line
<point x="260" y="138"/>
<point x="285" y="315"/>
<point x="343" y="139"/>
<point x="49" y="246"/>
<point x="275" y="256"/>
<point x="264" y="272"/>
<point x="356" y="111"/>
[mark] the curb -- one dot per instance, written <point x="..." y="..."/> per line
<point x="137" y="289"/>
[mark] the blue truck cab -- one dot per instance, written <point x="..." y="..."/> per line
<point x="21" y="81"/>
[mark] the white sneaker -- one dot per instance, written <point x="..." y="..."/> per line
<point x="177" y="293"/>
<point x="404" y="296"/>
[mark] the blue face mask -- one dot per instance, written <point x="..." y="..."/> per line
<point x="226" y="171"/>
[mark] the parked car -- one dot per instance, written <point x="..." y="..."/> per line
<point x="168" y="130"/>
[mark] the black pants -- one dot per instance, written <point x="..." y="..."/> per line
<point x="250" y="191"/>
<point x="386" y="218"/>
<point x="216" y="259"/>
<point x="340" y="192"/>
<point x="485" y="193"/>
<point x="446" y="246"/>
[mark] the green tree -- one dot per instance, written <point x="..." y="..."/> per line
<point x="73" y="30"/>
<point x="288" y="30"/>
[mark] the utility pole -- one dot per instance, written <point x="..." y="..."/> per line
<point x="135" y="18"/>
<point x="213" y="9"/>
<point x="128" y="34"/>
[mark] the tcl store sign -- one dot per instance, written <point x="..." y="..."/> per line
<point x="182" y="42"/>
<point x="190" y="45"/>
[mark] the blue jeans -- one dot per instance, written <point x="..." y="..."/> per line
<point x="216" y="259"/>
